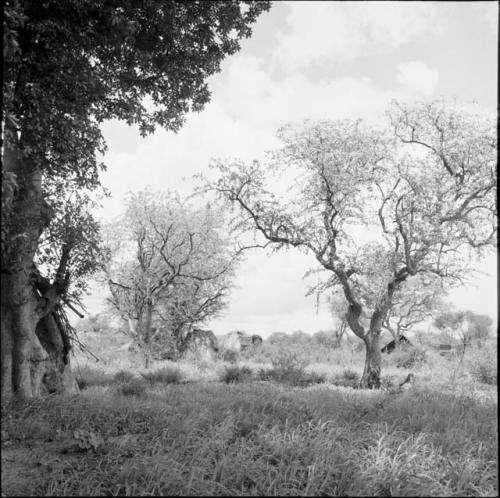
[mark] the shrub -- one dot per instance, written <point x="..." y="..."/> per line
<point x="289" y="369"/>
<point x="123" y="376"/>
<point x="265" y="374"/>
<point x="485" y="372"/>
<point x="344" y="382"/>
<point x="229" y="355"/>
<point x="285" y="362"/>
<point x="234" y="373"/>
<point x="314" y="378"/>
<point x="349" y="374"/>
<point x="88" y="377"/>
<point x="134" y="387"/>
<point x="166" y="375"/>
<point x="409" y="357"/>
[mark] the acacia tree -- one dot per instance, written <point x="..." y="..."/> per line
<point x="423" y="191"/>
<point x="171" y="269"/>
<point x="68" y="66"/>
<point x="466" y="326"/>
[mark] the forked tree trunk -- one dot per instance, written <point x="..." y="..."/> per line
<point x="35" y="352"/>
<point x="373" y="359"/>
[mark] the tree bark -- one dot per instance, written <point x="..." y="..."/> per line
<point x="373" y="360"/>
<point x="147" y="333"/>
<point x="35" y="347"/>
<point x="35" y="353"/>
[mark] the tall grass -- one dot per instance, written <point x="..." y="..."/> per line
<point x="269" y="439"/>
<point x="213" y="428"/>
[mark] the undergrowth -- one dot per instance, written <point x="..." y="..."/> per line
<point x="266" y="439"/>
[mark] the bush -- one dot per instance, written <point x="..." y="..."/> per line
<point x="410" y="356"/>
<point x="234" y="373"/>
<point x="289" y="369"/>
<point x="88" y="377"/>
<point x="134" y="387"/>
<point x="485" y="371"/>
<point x="486" y="374"/>
<point x="229" y="355"/>
<point x="349" y="374"/>
<point x="314" y="378"/>
<point x="123" y="376"/>
<point x="166" y="375"/>
<point x="265" y="374"/>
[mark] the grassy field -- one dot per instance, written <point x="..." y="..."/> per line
<point x="215" y="428"/>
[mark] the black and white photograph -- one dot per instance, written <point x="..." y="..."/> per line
<point x="249" y="248"/>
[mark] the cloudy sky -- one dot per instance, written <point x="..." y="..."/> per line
<point x="316" y="60"/>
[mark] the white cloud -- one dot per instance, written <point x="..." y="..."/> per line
<point x="270" y="297"/>
<point x="339" y="31"/>
<point x="418" y="78"/>
<point x="248" y="93"/>
<point x="249" y="104"/>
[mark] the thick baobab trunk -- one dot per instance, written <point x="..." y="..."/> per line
<point x="371" y="373"/>
<point x="33" y="361"/>
<point x="35" y="352"/>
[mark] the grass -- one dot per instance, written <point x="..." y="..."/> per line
<point x="165" y="375"/>
<point x="88" y="376"/>
<point x="216" y="428"/>
<point x="271" y="439"/>
<point x="235" y="373"/>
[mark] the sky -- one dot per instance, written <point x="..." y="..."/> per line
<point x="316" y="60"/>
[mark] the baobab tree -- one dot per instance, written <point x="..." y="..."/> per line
<point x="376" y="207"/>
<point x="69" y="66"/>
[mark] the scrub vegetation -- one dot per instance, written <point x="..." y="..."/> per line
<point x="291" y="423"/>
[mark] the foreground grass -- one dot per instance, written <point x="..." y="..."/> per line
<point x="259" y="438"/>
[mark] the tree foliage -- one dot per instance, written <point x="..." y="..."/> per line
<point x="171" y="265"/>
<point x="69" y="66"/>
<point x="376" y="207"/>
<point x="466" y="326"/>
<point x="415" y="301"/>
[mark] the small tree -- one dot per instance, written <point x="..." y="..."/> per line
<point x="338" y="307"/>
<point x="171" y="267"/>
<point x="466" y="326"/>
<point x="423" y="189"/>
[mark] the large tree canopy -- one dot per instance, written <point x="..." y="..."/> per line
<point x="376" y="207"/>
<point x="68" y="66"/>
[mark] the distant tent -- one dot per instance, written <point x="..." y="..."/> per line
<point x="391" y="346"/>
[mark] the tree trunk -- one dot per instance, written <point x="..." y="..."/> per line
<point x="7" y="344"/>
<point x="35" y="354"/>
<point x="371" y="373"/>
<point x="32" y="356"/>
<point x="339" y="333"/>
<point x="147" y="333"/>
